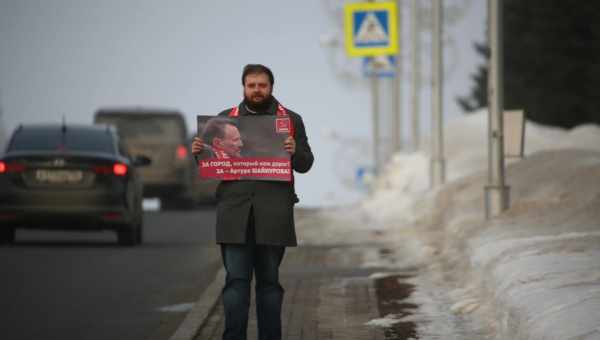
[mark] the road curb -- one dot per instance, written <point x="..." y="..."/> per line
<point x="201" y="310"/>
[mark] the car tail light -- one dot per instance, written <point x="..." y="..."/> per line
<point x="117" y="169"/>
<point x="8" y="216"/>
<point x="182" y="152"/>
<point x="112" y="215"/>
<point x="11" y="167"/>
<point x="120" y="169"/>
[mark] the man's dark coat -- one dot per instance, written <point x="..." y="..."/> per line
<point x="271" y="202"/>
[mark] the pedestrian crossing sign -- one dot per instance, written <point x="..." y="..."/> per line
<point x="371" y="29"/>
<point x="380" y="67"/>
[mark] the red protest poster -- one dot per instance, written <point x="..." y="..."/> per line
<point x="244" y="148"/>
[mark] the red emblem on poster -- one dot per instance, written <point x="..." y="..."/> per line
<point x="282" y="125"/>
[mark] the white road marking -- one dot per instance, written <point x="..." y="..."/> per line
<point x="180" y="308"/>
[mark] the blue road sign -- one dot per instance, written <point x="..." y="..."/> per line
<point x="385" y="68"/>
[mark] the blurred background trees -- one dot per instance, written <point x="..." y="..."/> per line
<point x="551" y="62"/>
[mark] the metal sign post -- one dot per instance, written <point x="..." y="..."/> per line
<point x="375" y="121"/>
<point x="397" y="94"/>
<point x="371" y="30"/>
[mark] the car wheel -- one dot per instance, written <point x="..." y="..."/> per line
<point x="7" y="235"/>
<point x="127" y="237"/>
<point x="132" y="234"/>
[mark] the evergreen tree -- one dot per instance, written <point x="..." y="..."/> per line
<point x="478" y="96"/>
<point x="551" y="62"/>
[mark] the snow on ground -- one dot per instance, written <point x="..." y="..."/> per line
<point x="532" y="273"/>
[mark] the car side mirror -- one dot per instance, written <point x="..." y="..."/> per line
<point x="141" y="160"/>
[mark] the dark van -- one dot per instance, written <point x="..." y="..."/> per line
<point x="162" y="135"/>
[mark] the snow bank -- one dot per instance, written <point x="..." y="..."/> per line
<point x="541" y="258"/>
<point x="532" y="273"/>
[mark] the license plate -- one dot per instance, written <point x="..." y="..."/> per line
<point x="58" y="176"/>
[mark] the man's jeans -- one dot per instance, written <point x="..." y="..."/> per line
<point x="240" y="260"/>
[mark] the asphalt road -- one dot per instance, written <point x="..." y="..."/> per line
<point x="82" y="286"/>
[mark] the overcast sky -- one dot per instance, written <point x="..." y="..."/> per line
<point x="70" y="57"/>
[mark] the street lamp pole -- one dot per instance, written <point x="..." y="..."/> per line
<point x="437" y="164"/>
<point x="496" y="191"/>
<point x="416" y="74"/>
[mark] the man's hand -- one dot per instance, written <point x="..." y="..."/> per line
<point x="290" y="145"/>
<point x="197" y="145"/>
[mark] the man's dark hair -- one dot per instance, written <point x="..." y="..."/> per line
<point x="215" y="127"/>
<point x="257" y="69"/>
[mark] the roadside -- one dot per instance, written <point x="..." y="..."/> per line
<point x="325" y="298"/>
<point x="435" y="268"/>
<point x="350" y="287"/>
<point x="530" y="273"/>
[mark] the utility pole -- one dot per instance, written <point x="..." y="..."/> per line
<point x="416" y="74"/>
<point x="496" y="191"/>
<point x="375" y="110"/>
<point x="397" y="88"/>
<point x="437" y="165"/>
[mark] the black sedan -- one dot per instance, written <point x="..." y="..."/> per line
<point x="63" y="177"/>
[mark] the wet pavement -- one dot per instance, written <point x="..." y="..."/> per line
<point x="328" y="295"/>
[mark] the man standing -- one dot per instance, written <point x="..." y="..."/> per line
<point x="255" y="219"/>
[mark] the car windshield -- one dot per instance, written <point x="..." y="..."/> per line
<point x="72" y="139"/>
<point x="162" y="129"/>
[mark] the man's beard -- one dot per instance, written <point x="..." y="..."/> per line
<point x="261" y="106"/>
